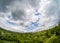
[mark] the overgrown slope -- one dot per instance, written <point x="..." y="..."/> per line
<point x="45" y="36"/>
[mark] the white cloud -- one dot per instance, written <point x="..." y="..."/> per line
<point x="22" y="12"/>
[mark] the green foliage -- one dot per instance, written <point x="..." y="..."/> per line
<point x="46" y="36"/>
<point x="53" y="39"/>
<point x="4" y="41"/>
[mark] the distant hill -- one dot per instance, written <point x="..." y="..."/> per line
<point x="46" y="36"/>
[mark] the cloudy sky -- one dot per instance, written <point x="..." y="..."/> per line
<point x="29" y="15"/>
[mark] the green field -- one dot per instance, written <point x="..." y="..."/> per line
<point x="45" y="36"/>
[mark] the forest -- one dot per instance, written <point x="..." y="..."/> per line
<point x="46" y="36"/>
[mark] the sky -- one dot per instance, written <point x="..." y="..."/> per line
<point x="29" y="15"/>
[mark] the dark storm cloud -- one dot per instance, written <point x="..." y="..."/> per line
<point x="22" y="4"/>
<point x="3" y="4"/>
<point x="18" y="14"/>
<point x="34" y="3"/>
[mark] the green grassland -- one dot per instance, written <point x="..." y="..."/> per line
<point x="46" y="36"/>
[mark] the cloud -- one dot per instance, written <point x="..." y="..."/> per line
<point x="22" y="12"/>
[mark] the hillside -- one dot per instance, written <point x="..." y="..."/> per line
<point x="45" y="36"/>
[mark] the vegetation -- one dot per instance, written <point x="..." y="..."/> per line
<point x="45" y="36"/>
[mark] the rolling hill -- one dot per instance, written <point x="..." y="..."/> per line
<point x="46" y="36"/>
